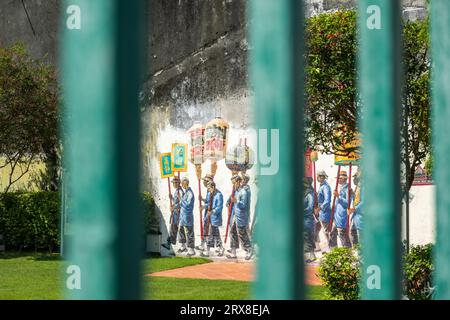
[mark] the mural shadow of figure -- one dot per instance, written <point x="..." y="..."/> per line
<point x="162" y="231"/>
<point x="154" y="227"/>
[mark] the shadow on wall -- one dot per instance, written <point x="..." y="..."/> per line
<point x="156" y="231"/>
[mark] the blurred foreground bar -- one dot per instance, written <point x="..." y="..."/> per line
<point x="100" y="66"/>
<point x="276" y="73"/>
<point x="379" y="86"/>
<point x="440" y="47"/>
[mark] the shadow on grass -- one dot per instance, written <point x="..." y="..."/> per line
<point x="36" y="256"/>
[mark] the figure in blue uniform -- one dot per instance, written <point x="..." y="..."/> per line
<point x="206" y="180"/>
<point x="187" y="219"/>
<point x="340" y="215"/>
<point x="214" y="217"/>
<point x="323" y="210"/>
<point x="175" y="213"/>
<point x="246" y="187"/>
<point x="308" y="218"/>
<point x="355" y="210"/>
<point x="239" y="220"/>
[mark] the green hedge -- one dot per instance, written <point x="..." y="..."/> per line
<point x="31" y="220"/>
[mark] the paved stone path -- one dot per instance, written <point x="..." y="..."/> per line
<point x="228" y="271"/>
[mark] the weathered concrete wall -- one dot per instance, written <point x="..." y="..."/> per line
<point x="33" y="23"/>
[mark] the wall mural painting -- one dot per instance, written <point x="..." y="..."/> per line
<point x="208" y="143"/>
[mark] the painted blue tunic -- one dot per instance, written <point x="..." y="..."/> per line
<point x="249" y="198"/>
<point x="340" y="216"/>
<point x="187" y="209"/>
<point x="357" y="215"/>
<point x="240" y="208"/>
<point x="216" y="209"/>
<point x="308" y="205"/>
<point x="176" y="205"/>
<point x="205" y="212"/>
<point x="324" y="201"/>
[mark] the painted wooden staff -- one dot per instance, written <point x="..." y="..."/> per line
<point x="314" y="158"/>
<point x="209" y="209"/>
<point x="230" y="209"/>
<point x="200" y="207"/>
<point x="197" y="139"/>
<point x="315" y="187"/>
<point x="334" y="200"/>
<point x="170" y="199"/>
<point x="348" y="196"/>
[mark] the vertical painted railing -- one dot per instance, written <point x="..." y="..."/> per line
<point x="100" y="68"/>
<point x="379" y="88"/>
<point x="440" y="44"/>
<point x="276" y="72"/>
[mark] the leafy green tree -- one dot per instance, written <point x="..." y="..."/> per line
<point x="416" y="98"/>
<point x="28" y="115"/>
<point x="332" y="99"/>
<point x="331" y="79"/>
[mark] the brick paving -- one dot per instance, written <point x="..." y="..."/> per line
<point x="228" y="271"/>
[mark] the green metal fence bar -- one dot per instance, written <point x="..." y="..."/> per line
<point x="276" y="37"/>
<point x="440" y="44"/>
<point x="378" y="66"/>
<point x="62" y="214"/>
<point x="100" y="69"/>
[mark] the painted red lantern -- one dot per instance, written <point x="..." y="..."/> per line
<point x="196" y="144"/>
<point x="196" y="147"/>
<point x="216" y="132"/>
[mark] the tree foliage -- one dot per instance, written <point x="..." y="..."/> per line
<point x="332" y="99"/>
<point x="331" y="80"/>
<point x="416" y="98"/>
<point x="28" y="113"/>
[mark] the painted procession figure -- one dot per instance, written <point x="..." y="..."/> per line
<point x="355" y="211"/>
<point x="323" y="210"/>
<point x="174" y="213"/>
<point x="206" y="180"/>
<point x="309" y="222"/>
<point x="239" y="220"/>
<point x="340" y="218"/>
<point x="214" y="221"/>
<point x="186" y="232"/>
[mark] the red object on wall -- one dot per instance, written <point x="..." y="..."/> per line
<point x="308" y="164"/>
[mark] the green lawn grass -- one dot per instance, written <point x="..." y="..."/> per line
<point x="161" y="264"/>
<point x="38" y="276"/>
<point x="162" y="288"/>
<point x="30" y="277"/>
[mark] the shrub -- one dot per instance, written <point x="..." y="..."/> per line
<point x="339" y="271"/>
<point x="418" y="268"/>
<point x="151" y="216"/>
<point x="30" y="220"/>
